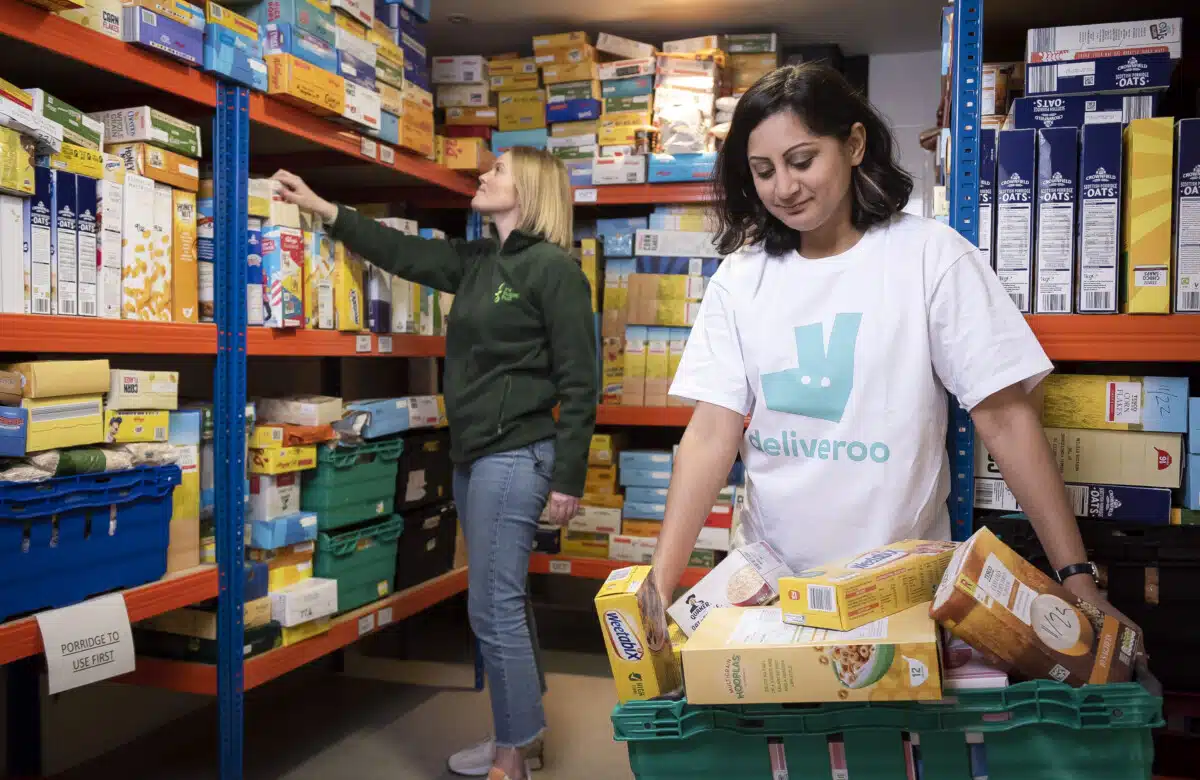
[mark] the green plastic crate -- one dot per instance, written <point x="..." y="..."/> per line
<point x="352" y="484"/>
<point x="362" y="560"/>
<point x="1037" y="730"/>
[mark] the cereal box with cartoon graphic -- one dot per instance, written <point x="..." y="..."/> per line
<point x="748" y="577"/>
<point x="751" y="656"/>
<point x="850" y="593"/>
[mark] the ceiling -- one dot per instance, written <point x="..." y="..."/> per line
<point x="858" y="26"/>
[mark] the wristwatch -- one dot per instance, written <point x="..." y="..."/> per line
<point x="1087" y="567"/>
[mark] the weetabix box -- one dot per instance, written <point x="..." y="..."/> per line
<point x="987" y="193"/>
<point x="1037" y="113"/>
<point x="1099" y="217"/>
<point x="1146" y="216"/>
<point x="348" y="289"/>
<point x="64" y="266"/>
<point x="1057" y="195"/>
<point x="1103" y="75"/>
<point x="1016" y="162"/>
<point x="1187" y="216"/>
<point x="642" y="662"/>
<point x="305" y="85"/>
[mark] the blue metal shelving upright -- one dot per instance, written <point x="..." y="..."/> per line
<point x="231" y="175"/>
<point x="964" y="212"/>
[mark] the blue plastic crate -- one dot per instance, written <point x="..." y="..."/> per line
<point x="69" y="538"/>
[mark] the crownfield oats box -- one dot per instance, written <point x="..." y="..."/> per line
<point x="1039" y="113"/>
<point x="64" y="266"/>
<point x="1099" y="240"/>
<point x="40" y="240"/>
<point x="1016" y="163"/>
<point x="987" y="192"/>
<point x="1117" y="75"/>
<point x="1146" y="216"/>
<point x="87" y="231"/>
<point x="1187" y="216"/>
<point x="1057" y="196"/>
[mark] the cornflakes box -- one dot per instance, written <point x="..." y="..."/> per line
<point x="643" y="663"/>
<point x="137" y="244"/>
<point x="849" y="593"/>
<point x="751" y="656"/>
<point x="748" y="577"/>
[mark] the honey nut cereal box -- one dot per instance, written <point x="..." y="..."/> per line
<point x="643" y="665"/>
<point x="750" y="656"/>
<point x="996" y="601"/>
<point x="748" y="577"/>
<point x="850" y="593"/>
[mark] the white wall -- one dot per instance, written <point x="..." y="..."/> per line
<point x="905" y="88"/>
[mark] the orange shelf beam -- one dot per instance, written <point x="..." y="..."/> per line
<point x="647" y="194"/>
<point x="1118" y="338"/>
<point x="21" y="638"/>
<point x="646" y="416"/>
<point x="92" y="335"/>
<point x="332" y="343"/>
<point x="346" y="630"/>
<point x="54" y="33"/>
<point x="596" y="568"/>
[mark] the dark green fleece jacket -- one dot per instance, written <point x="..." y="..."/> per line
<point x="521" y="339"/>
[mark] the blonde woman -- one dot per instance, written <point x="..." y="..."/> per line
<point x="521" y="341"/>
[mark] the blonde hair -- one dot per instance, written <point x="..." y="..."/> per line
<point x="544" y="195"/>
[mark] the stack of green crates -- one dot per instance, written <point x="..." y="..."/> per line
<point x="352" y="484"/>
<point x="353" y="490"/>
<point x="1038" y="730"/>
<point x="361" y="559"/>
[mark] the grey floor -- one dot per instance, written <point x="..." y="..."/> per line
<point x="381" y="720"/>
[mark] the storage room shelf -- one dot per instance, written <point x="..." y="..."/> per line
<point x="1118" y="337"/>
<point x="646" y="194"/>
<point x="595" y="568"/>
<point x="347" y="629"/>
<point x="656" y="416"/>
<point x="21" y="638"/>
<point x="92" y="335"/>
<point x="331" y="343"/>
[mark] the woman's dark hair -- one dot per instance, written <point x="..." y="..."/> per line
<point x="827" y="104"/>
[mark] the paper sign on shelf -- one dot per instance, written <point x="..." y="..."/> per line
<point x="385" y="345"/>
<point x="560" y="567"/>
<point x="362" y="343"/>
<point x="366" y="624"/>
<point x="369" y="148"/>
<point x="385" y="616"/>
<point x="387" y="155"/>
<point x="586" y="195"/>
<point x="87" y="642"/>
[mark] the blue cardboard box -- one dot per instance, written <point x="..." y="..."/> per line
<point x="300" y="43"/>
<point x="400" y="18"/>
<point x="388" y="416"/>
<point x="1057" y="195"/>
<point x="646" y="460"/>
<point x="1137" y="73"/>
<point x="389" y="128"/>
<point x="1164" y="404"/>
<point x="416" y="73"/>
<point x="257" y="580"/>
<point x="14" y="424"/>
<point x="1016" y="161"/>
<point x="235" y="57"/>
<point x="255" y="277"/>
<point x="640" y="85"/>
<point x="645" y="478"/>
<point x="987" y="192"/>
<point x="1036" y="113"/>
<point x="1191" y="497"/>
<point x="282" y="531"/>
<point x="577" y="110"/>
<point x="143" y="27"/>
<point x="618" y="234"/>
<point x="420" y="8"/>
<point x="1193" y="437"/>
<point x="184" y="427"/>
<point x="1100" y="171"/>
<point x="310" y="17"/>
<point x="645" y="495"/>
<point x="681" y="167"/>
<point x="505" y="140"/>
<point x="354" y="70"/>
<point x="640" y="511"/>
<point x="686" y="266"/>
<point x="1187" y="212"/>
<point x="414" y="49"/>
<point x="579" y="172"/>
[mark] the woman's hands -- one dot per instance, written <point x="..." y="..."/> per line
<point x="561" y="508"/>
<point x="294" y="190"/>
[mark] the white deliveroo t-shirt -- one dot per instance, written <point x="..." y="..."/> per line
<point x="844" y="363"/>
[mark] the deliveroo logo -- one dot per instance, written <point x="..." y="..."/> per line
<point x="820" y="384"/>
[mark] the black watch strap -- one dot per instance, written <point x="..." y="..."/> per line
<point x="1087" y="567"/>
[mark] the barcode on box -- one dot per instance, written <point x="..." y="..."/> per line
<point x="1100" y="301"/>
<point x="1019" y="300"/>
<point x="1053" y="304"/>
<point x="41" y="306"/>
<point x="149" y="19"/>
<point x="160" y="434"/>
<point x="821" y="598"/>
<point x="1189" y="301"/>
<point x="68" y="307"/>
<point x="87" y="308"/>
<point x="1043" y="79"/>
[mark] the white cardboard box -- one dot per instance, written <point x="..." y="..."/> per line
<point x="463" y="95"/>
<point x="623" y="47"/>
<point x="12" y="255"/>
<point x="274" y="495"/>
<point x="627" y="69"/>
<point x="301" y="410"/>
<point x="748" y="577"/>
<point x="142" y="390"/>
<point x="626" y="169"/>
<point x="363" y="106"/>
<point x="713" y="539"/>
<point x="423" y="411"/>
<point x="631" y="549"/>
<point x="315" y="597"/>
<point x="470" y="69"/>
<point x="674" y="243"/>
<point x="596" y="520"/>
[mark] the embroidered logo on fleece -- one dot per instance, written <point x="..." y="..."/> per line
<point x="505" y="294"/>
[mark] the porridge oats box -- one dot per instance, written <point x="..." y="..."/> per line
<point x="643" y="666"/>
<point x="849" y="593"/>
<point x="996" y="601"/>
<point x="748" y="577"/>
<point x="750" y="656"/>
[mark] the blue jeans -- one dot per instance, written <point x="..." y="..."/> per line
<point x="500" y="498"/>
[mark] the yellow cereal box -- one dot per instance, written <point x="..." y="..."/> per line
<point x="282" y="460"/>
<point x="124" y="427"/>
<point x="748" y="655"/>
<point x="1146" y="216"/>
<point x="161" y="279"/>
<point x="185" y="304"/>
<point x="850" y="593"/>
<point x="643" y="665"/>
<point x="318" y="280"/>
<point x="347" y="289"/>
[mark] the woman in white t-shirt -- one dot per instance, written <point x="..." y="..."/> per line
<point x="838" y="323"/>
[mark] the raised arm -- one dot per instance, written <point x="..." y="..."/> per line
<point x="439" y="264"/>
